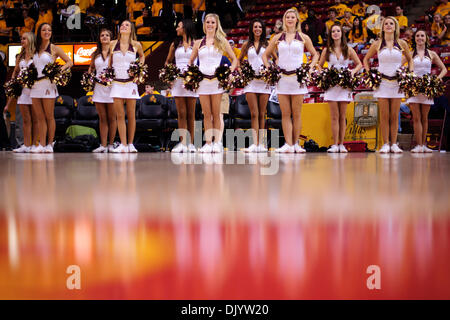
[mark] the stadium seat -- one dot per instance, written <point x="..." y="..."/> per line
<point x="273" y="115"/>
<point x="63" y="114"/>
<point x="242" y="117"/>
<point x="86" y="113"/>
<point x="151" y="116"/>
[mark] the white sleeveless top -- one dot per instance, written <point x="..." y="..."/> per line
<point x="41" y="61"/>
<point x="290" y="56"/>
<point x="182" y="57"/>
<point x="100" y="64"/>
<point x="209" y="58"/>
<point x="121" y="63"/>
<point x="338" y="63"/>
<point x="255" y="59"/>
<point x="389" y="60"/>
<point x="23" y="64"/>
<point x="422" y="66"/>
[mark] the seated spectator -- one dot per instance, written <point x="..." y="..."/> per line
<point x="373" y="25"/>
<point x="45" y="16"/>
<point x="444" y="36"/>
<point x="83" y="5"/>
<point x="437" y="26"/>
<point x="278" y="28"/>
<point x="408" y="36"/>
<point x="402" y="20"/>
<point x="347" y="21"/>
<point x="359" y="9"/>
<point x="149" y="89"/>
<point x="28" y="23"/>
<point x="236" y="51"/>
<point x="303" y="13"/>
<point x="340" y="8"/>
<point x="316" y="28"/>
<point x="136" y="6"/>
<point x="156" y="8"/>
<point x="179" y="10"/>
<point x="142" y="31"/>
<point x="358" y="34"/>
<point x="443" y="8"/>
<point x="332" y="15"/>
<point x="306" y="30"/>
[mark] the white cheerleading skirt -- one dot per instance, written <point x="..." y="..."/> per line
<point x="44" y="89"/>
<point x="257" y="86"/>
<point x="389" y="90"/>
<point x="179" y="91"/>
<point x="289" y="85"/>
<point x="338" y="94"/>
<point x="102" y="94"/>
<point x="208" y="87"/>
<point x="124" y="90"/>
<point x="24" y="97"/>
<point x="420" y="99"/>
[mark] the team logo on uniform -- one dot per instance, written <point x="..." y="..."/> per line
<point x="47" y="92"/>
<point x="134" y="91"/>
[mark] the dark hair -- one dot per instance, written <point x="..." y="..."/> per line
<point x="427" y="41"/>
<point x="332" y="10"/>
<point x="330" y="43"/>
<point x="99" y="43"/>
<point x="359" y="28"/>
<point x="189" y="31"/>
<point x="39" y="37"/>
<point x="251" y="36"/>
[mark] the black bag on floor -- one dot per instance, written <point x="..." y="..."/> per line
<point x="83" y="143"/>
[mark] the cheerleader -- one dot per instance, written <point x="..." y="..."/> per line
<point x="291" y="44"/>
<point x="122" y="54"/>
<point x="420" y="105"/>
<point x="101" y="97"/>
<point x="185" y="100"/>
<point x="390" y="50"/>
<point x="209" y="51"/>
<point x="30" y="125"/>
<point x="44" y="92"/>
<point x="337" y="97"/>
<point x="256" y="92"/>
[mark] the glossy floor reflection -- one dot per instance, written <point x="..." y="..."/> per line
<point x="159" y="226"/>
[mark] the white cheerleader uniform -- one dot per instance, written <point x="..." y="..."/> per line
<point x="43" y="87"/>
<point x="209" y="59"/>
<point x="290" y="57"/>
<point x="182" y="57"/>
<point x="337" y="93"/>
<point x="123" y="86"/>
<point x="25" y="98"/>
<point x="102" y="93"/>
<point x="389" y="61"/>
<point x="255" y="59"/>
<point x="421" y="68"/>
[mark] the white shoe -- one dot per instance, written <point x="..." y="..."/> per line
<point x="395" y="148"/>
<point x="23" y="149"/>
<point x="179" y="148"/>
<point x="252" y="149"/>
<point x="386" y="148"/>
<point x="217" y="147"/>
<point x="298" y="148"/>
<point x="121" y="149"/>
<point x="262" y="148"/>
<point x="132" y="148"/>
<point x="333" y="149"/>
<point x="48" y="148"/>
<point x="285" y="149"/>
<point x="426" y="149"/>
<point x="100" y="149"/>
<point x="342" y="149"/>
<point x="110" y="148"/>
<point x="417" y="149"/>
<point x="191" y="148"/>
<point x="207" y="148"/>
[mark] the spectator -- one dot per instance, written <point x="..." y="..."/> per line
<point x="373" y="25"/>
<point x="142" y="31"/>
<point x="136" y="6"/>
<point x="402" y="20"/>
<point x="236" y="51"/>
<point x="179" y="10"/>
<point x="360" y="8"/>
<point x="149" y="90"/>
<point x="408" y="36"/>
<point x="303" y="13"/>
<point x="28" y="23"/>
<point x="332" y="15"/>
<point x="443" y="8"/>
<point x="278" y="28"/>
<point x="340" y="8"/>
<point x="437" y="26"/>
<point x="358" y="34"/>
<point x="5" y="32"/>
<point x="198" y="11"/>
<point x="315" y="28"/>
<point x="306" y="30"/>
<point x="156" y="8"/>
<point x="444" y="36"/>
<point x="45" y="16"/>
<point x="347" y="21"/>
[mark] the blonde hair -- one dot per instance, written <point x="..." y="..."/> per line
<point x="298" y="25"/>
<point x="397" y="28"/>
<point x="132" y="33"/>
<point x="31" y="38"/>
<point x="220" y="37"/>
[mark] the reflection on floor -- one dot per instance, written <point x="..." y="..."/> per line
<point x="160" y="226"/>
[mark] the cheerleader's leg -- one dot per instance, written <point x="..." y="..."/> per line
<point x="190" y="107"/>
<point x="286" y="121"/>
<point x="215" y="108"/>
<point x="121" y="125"/>
<point x="103" y="122"/>
<point x="252" y="101"/>
<point x="393" y="119"/>
<point x="296" y="103"/>
<point x="182" y="118"/>
<point x="205" y="101"/>
<point x="334" y="115"/>
<point x="417" y="122"/>
<point x="383" y="103"/>
<point x="342" y="124"/>
<point x="49" y="109"/>
<point x="40" y="116"/>
<point x="112" y="122"/>
<point x="25" y="110"/>
<point x="131" y="116"/>
<point x="425" y="110"/>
